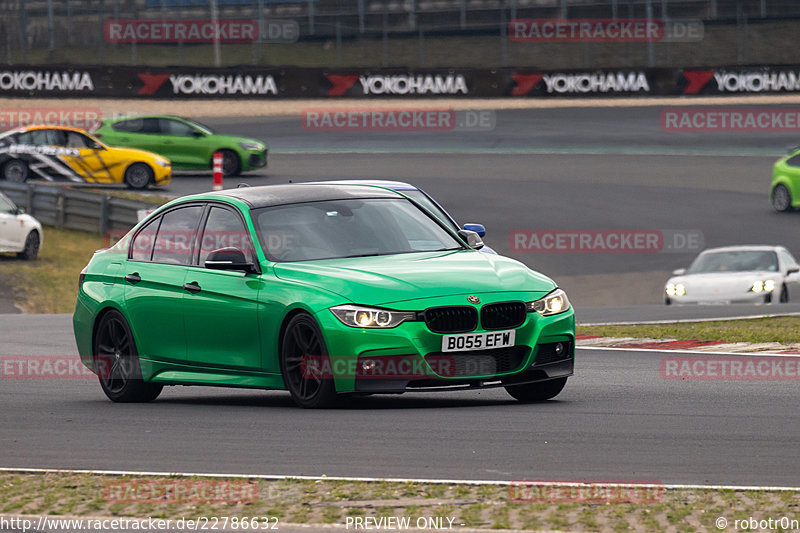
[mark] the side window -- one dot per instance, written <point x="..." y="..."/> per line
<point x="787" y="260"/>
<point x="177" y="235"/>
<point x="223" y="229"/>
<point x="76" y="140"/>
<point x="5" y="205"/>
<point x="137" y="125"/>
<point x="34" y="137"/>
<point x="175" y="127"/>
<point x="56" y="137"/>
<point x="142" y="245"/>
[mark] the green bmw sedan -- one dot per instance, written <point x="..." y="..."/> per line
<point x="321" y="290"/>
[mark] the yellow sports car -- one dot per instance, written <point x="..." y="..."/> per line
<point x="61" y="153"/>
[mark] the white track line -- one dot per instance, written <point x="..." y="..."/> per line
<point x="697" y="352"/>
<point x="269" y="477"/>
<point x="684" y="320"/>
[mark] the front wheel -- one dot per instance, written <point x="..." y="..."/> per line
<point x="781" y="198"/>
<point x="231" y="166"/>
<point x="537" y="392"/>
<point x="31" y="249"/>
<point x="117" y="362"/>
<point x="303" y="353"/>
<point x="16" y="171"/>
<point x="139" y="176"/>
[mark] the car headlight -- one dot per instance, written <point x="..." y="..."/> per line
<point x="554" y="303"/>
<point x="163" y="162"/>
<point x="763" y="286"/>
<point x="251" y="146"/>
<point x="675" y="289"/>
<point x="357" y="316"/>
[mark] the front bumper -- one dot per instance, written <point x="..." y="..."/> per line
<point x="409" y="356"/>
<point x="255" y="159"/>
<point x="725" y="298"/>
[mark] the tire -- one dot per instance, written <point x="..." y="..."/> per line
<point x="117" y="362"/>
<point x="139" y="176"/>
<point x="31" y="249"/>
<point x="537" y="392"/>
<point x="781" y="199"/>
<point x="301" y="340"/>
<point x="784" y="299"/>
<point x="231" y="165"/>
<point x="16" y="170"/>
<point x="667" y="301"/>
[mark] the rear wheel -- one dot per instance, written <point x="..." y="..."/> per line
<point x="301" y="344"/>
<point x="117" y="362"/>
<point x="231" y="166"/>
<point x="537" y="392"/>
<point x="31" y="249"/>
<point x="16" y="171"/>
<point x="781" y="198"/>
<point x="139" y="176"/>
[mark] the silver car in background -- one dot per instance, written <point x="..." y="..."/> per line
<point x="736" y="274"/>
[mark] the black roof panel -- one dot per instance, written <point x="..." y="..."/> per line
<point x="271" y="195"/>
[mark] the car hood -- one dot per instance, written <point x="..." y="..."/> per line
<point x="387" y="279"/>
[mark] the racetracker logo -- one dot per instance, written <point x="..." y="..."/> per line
<point x="396" y="367"/>
<point x="429" y="120"/>
<point x="731" y="368"/>
<point x="43" y="367"/>
<point x="76" y="117"/>
<point x="180" y="31"/>
<point x="721" y="119"/>
<point x="605" y="30"/>
<point x="606" y="241"/>
<point x="585" y="491"/>
<point x="180" y="492"/>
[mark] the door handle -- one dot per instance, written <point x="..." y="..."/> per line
<point x="133" y="278"/>
<point x="192" y="287"/>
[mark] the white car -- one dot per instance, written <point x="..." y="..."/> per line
<point x="736" y="274"/>
<point x="19" y="232"/>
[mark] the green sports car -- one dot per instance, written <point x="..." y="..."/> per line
<point x="321" y="290"/>
<point x="188" y="144"/>
<point x="785" y="190"/>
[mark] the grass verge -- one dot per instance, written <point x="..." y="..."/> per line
<point x="783" y="329"/>
<point x="331" y="501"/>
<point x="50" y="283"/>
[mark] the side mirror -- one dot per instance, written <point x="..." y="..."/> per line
<point x="472" y="238"/>
<point x="477" y="228"/>
<point x="229" y="259"/>
<point x="198" y="133"/>
<point x="679" y="272"/>
<point x="793" y="270"/>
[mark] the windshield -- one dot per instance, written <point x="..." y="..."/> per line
<point x="745" y="261"/>
<point x="422" y="199"/>
<point x="348" y="228"/>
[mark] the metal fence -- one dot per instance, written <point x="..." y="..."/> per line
<point x="407" y="33"/>
<point x="73" y="209"/>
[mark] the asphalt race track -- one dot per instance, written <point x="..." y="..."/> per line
<point x="617" y="419"/>
<point x="561" y="169"/>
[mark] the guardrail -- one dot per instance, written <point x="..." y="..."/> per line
<point x="74" y="209"/>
